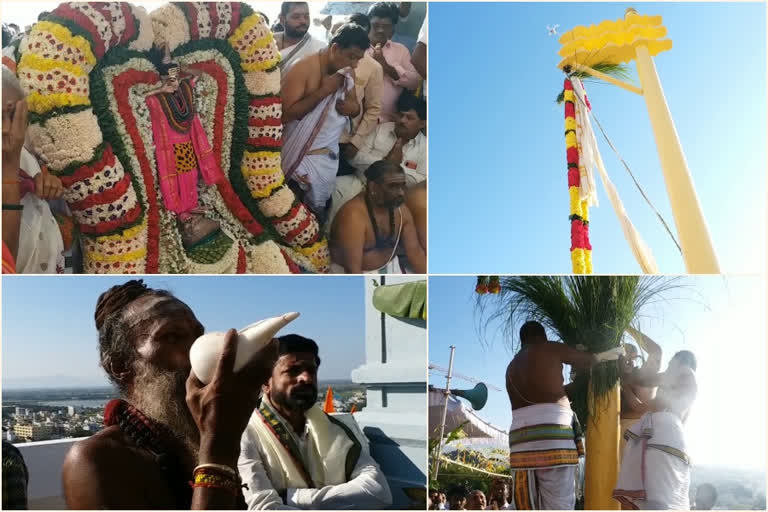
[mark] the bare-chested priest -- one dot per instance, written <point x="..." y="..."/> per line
<point x="370" y="228"/>
<point x="319" y="100"/>
<point x="545" y="438"/>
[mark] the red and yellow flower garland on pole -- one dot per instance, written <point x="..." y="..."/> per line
<point x="581" y="249"/>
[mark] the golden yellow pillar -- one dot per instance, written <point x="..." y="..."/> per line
<point x="602" y="460"/>
<point x="639" y="38"/>
<point x="698" y="251"/>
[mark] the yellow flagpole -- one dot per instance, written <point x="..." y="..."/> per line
<point x="601" y="468"/>
<point x="698" y="251"/>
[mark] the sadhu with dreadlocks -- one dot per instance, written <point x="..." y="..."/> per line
<point x="169" y="429"/>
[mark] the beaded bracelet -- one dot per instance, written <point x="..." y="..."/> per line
<point x="228" y="470"/>
<point x="13" y="207"/>
<point x="215" y="480"/>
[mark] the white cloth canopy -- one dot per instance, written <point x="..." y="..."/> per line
<point x="459" y="412"/>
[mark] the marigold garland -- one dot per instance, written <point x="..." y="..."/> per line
<point x="581" y="249"/>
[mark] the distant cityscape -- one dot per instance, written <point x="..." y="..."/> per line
<point x="45" y="414"/>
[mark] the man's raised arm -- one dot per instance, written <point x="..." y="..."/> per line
<point x="584" y="360"/>
<point x="653" y="364"/>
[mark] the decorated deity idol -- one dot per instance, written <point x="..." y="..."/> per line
<point x="183" y="153"/>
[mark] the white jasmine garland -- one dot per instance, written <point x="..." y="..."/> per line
<point x="103" y="26"/>
<point x="261" y="83"/>
<point x="170" y="26"/>
<point x="118" y="19"/>
<point x="224" y="12"/>
<point x="278" y="204"/>
<point x="65" y="139"/>
<point x="146" y="36"/>
<point x="203" y="19"/>
<point x="171" y="250"/>
<point x="266" y="258"/>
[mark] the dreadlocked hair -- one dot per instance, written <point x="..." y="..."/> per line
<point x="115" y="347"/>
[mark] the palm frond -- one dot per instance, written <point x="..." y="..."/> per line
<point x="590" y="311"/>
<point x="620" y="71"/>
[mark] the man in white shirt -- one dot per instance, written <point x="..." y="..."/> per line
<point x="295" y="42"/>
<point x="403" y="143"/>
<point x="294" y="456"/>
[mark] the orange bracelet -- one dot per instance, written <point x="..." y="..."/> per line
<point x="215" y="486"/>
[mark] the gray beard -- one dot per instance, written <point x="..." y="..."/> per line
<point x="161" y="395"/>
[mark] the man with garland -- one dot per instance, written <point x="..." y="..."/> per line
<point x="545" y="439"/>
<point x="374" y="226"/>
<point x="168" y="430"/>
<point x="294" y="455"/>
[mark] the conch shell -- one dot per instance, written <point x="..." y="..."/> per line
<point x="205" y="351"/>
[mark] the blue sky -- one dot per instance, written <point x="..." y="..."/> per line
<point x="48" y="328"/>
<point x="498" y="188"/>
<point x="722" y="320"/>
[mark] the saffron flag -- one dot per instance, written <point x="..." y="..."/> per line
<point x="328" y="406"/>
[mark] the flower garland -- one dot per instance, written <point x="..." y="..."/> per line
<point x="121" y="81"/>
<point x="55" y="61"/>
<point x="264" y="183"/>
<point x="191" y="54"/>
<point x="488" y="285"/>
<point x="66" y="142"/>
<point x="85" y="68"/>
<point x="170" y="26"/>
<point x="215" y="256"/>
<point x="581" y="249"/>
<point x="224" y="18"/>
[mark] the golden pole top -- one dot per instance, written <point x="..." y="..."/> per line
<point x="630" y="10"/>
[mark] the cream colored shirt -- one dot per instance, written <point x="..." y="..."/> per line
<point x="368" y="81"/>
<point x="367" y="488"/>
<point x="379" y="143"/>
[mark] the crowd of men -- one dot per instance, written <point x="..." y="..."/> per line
<point x="354" y="144"/>
<point x="546" y="439"/>
<point x="354" y="140"/>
